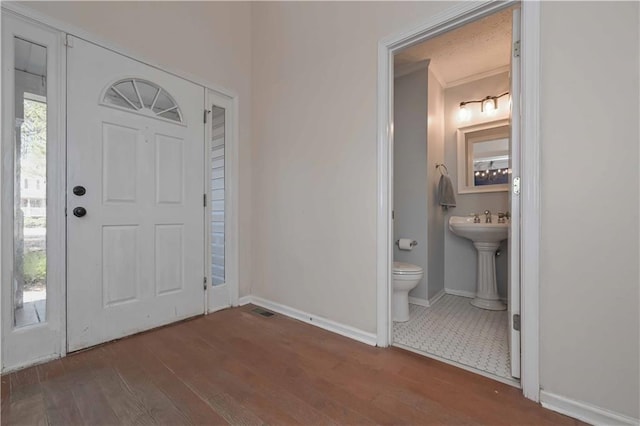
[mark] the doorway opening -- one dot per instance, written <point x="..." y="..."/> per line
<point x="454" y="268"/>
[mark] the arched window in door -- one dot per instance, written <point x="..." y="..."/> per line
<point x="144" y="97"/>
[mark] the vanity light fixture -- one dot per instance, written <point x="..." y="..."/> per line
<point x="488" y="104"/>
<point x="464" y="114"/>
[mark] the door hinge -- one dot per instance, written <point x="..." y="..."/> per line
<point x="206" y="112"/>
<point x="516" y="185"/>
<point x="516" y="322"/>
<point x="65" y="212"/>
<point x="68" y="41"/>
<point x="393" y="214"/>
<point x="204" y="283"/>
<point x="204" y="200"/>
<point x="516" y="49"/>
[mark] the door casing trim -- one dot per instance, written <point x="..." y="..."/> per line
<point x="451" y="18"/>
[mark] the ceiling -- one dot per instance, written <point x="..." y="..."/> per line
<point x="476" y="48"/>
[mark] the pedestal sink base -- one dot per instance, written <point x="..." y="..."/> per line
<point x="491" y="305"/>
<point x="486" y="239"/>
<point x="487" y="288"/>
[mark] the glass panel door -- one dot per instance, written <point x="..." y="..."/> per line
<point x="33" y="225"/>
<point x="30" y="184"/>
<point x="217" y="195"/>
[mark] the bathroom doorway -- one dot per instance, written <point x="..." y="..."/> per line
<point x="454" y="294"/>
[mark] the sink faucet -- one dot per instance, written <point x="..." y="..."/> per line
<point x="487" y="216"/>
<point x="503" y="217"/>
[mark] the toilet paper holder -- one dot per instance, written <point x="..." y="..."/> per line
<point x="413" y="243"/>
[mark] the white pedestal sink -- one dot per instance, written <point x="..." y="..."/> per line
<point x="486" y="238"/>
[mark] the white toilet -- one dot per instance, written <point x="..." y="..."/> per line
<point x="405" y="278"/>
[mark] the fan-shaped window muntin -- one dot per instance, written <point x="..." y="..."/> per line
<point x="144" y="97"/>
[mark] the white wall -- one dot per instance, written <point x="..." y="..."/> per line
<point x="589" y="320"/>
<point x="435" y="155"/>
<point x="410" y="171"/>
<point x="460" y="256"/>
<point x="314" y="81"/>
<point x="314" y="151"/>
<point x="211" y="40"/>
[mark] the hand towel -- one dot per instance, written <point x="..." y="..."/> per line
<point x="446" y="196"/>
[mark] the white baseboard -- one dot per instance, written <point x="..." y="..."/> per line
<point x="584" y="411"/>
<point x="419" y="301"/>
<point x="463" y="293"/>
<point x="327" y="324"/>
<point x="244" y="300"/>
<point x="437" y="297"/>
<point x="424" y="302"/>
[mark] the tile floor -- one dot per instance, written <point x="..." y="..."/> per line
<point x="455" y="330"/>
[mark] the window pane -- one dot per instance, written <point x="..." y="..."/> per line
<point x="163" y="103"/>
<point x="171" y="115"/>
<point x="30" y="184"/>
<point x="127" y="90"/>
<point x="112" y="97"/>
<point x="217" y="195"/>
<point x="147" y="91"/>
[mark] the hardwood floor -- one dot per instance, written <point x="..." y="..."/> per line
<point x="237" y="367"/>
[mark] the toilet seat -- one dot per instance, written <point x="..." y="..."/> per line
<point x="403" y="268"/>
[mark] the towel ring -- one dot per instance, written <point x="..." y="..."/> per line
<point x="442" y="166"/>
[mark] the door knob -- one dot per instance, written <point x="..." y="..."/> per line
<point x="79" y="190"/>
<point x="79" y="211"/>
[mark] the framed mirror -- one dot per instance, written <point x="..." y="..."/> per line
<point x="483" y="157"/>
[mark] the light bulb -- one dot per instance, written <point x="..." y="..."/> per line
<point x="490" y="105"/>
<point x="464" y="114"/>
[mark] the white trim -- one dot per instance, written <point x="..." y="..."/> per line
<point x="437" y="297"/>
<point x="231" y="195"/>
<point x="455" y="16"/>
<point x="419" y="301"/>
<point x="60" y="185"/>
<point x="530" y="199"/>
<point x="465" y="293"/>
<point x="244" y="300"/>
<point x="427" y="303"/>
<point x="384" y="237"/>
<point x="324" y="323"/>
<point x="20" y="8"/>
<point x="409" y="68"/>
<point x="476" y="77"/>
<point x="584" y="411"/>
<point x="461" y="293"/>
<point x="506" y="381"/>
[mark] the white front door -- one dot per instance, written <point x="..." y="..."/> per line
<point x="135" y="186"/>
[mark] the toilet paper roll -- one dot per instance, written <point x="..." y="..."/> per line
<point x="405" y="244"/>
